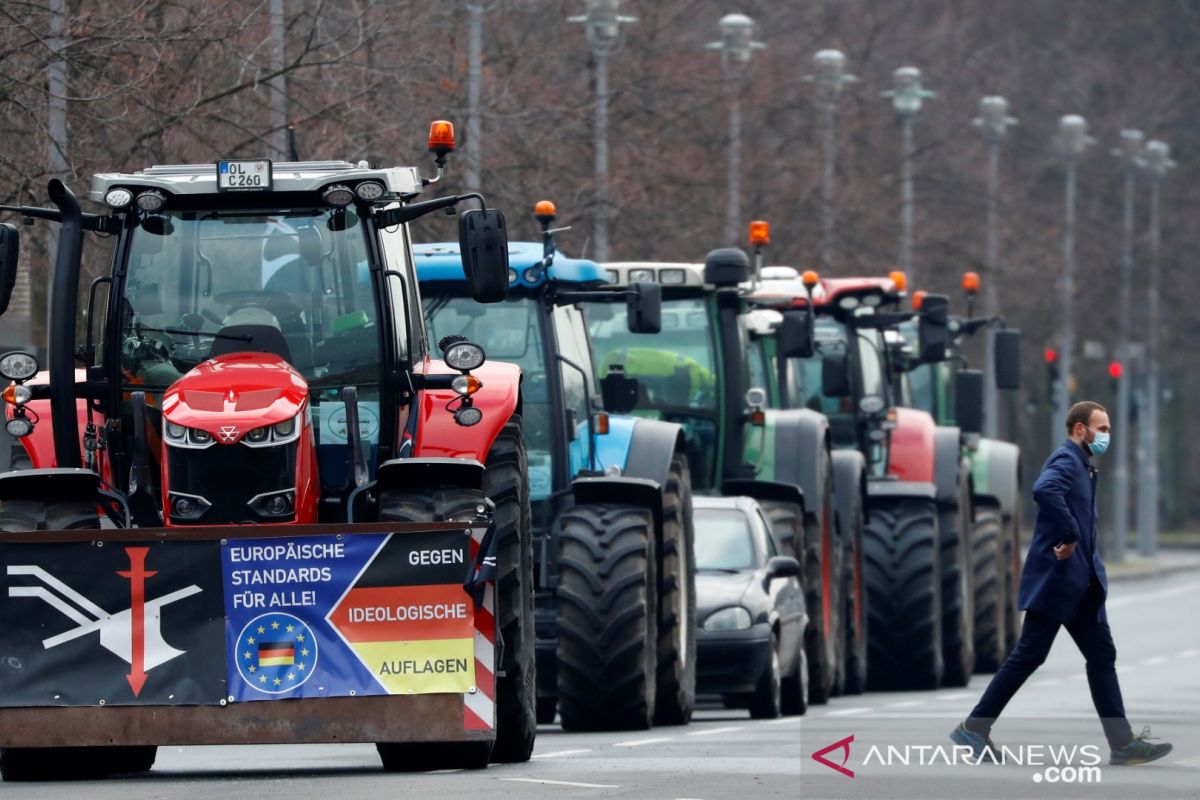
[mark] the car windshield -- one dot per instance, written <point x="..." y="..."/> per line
<point x="723" y="540"/>
<point x="291" y="282"/>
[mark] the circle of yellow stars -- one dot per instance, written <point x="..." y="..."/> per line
<point x="291" y="676"/>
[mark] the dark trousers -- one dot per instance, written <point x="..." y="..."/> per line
<point x="1093" y="639"/>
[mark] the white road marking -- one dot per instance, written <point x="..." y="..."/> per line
<point x="1188" y="654"/>
<point x="955" y="696"/>
<point x="1194" y="761"/>
<point x="711" y="731"/>
<point x="563" y="783"/>
<point x="846" y="712"/>
<point x="444" y="771"/>
<point x="1153" y="662"/>
<point x="783" y="720"/>
<point x="904" y="704"/>
<point x="558" y="753"/>
<point x="640" y="742"/>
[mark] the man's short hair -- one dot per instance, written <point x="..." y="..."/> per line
<point x="1082" y="412"/>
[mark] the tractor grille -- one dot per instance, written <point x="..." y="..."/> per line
<point x="228" y="477"/>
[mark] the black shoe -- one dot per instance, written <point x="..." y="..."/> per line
<point x="981" y="744"/>
<point x="1139" y="750"/>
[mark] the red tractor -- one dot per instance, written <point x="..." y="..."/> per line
<point x="318" y="529"/>
<point x="915" y="552"/>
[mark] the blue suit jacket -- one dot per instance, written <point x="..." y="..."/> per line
<point x="1066" y="499"/>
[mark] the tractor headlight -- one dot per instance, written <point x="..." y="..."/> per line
<point x="151" y="200"/>
<point x="258" y="436"/>
<point x="18" y="366"/>
<point x="269" y="435"/>
<point x="19" y="427"/>
<point x="672" y="277"/>
<point x="369" y="191"/>
<point x="464" y="356"/>
<point x="646" y="275"/>
<point x="118" y="198"/>
<point x="285" y="429"/>
<point x="177" y="435"/>
<point x="338" y="195"/>
<point x="734" y="618"/>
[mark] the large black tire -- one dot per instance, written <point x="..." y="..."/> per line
<point x="987" y="553"/>
<point x="958" y="594"/>
<point x="795" y="687"/>
<point x="52" y="514"/>
<point x="432" y="504"/>
<point x="607" y="633"/>
<point x="767" y="700"/>
<point x="506" y="483"/>
<point x="676" y="681"/>
<point x="131" y="760"/>
<point x="857" y="615"/>
<point x="904" y="584"/>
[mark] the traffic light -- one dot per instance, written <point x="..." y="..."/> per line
<point x="1050" y="355"/>
<point x="1115" y="370"/>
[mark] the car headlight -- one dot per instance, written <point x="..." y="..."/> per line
<point x="735" y="618"/>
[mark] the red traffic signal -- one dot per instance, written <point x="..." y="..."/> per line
<point x="1050" y="354"/>
<point x="1115" y="370"/>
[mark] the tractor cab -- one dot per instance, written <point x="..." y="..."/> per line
<point x="255" y="351"/>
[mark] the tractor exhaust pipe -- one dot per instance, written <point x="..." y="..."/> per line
<point x="65" y="422"/>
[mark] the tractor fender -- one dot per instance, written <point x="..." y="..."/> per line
<point x="440" y="437"/>
<point x="620" y="490"/>
<point x="39" y="445"/>
<point x="996" y="474"/>
<point x="423" y="471"/>
<point x="801" y="443"/>
<point x="849" y="479"/>
<point x="651" y="447"/>
<point x="765" y="490"/>
<point x="885" y="490"/>
<point x="947" y="458"/>
<point x="911" y="451"/>
<point x="58" y="482"/>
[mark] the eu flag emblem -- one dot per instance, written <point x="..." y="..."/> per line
<point x="276" y="653"/>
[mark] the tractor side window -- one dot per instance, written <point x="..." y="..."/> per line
<point x="397" y="257"/>
<point x="870" y="365"/>
<point x="576" y="386"/>
<point x="757" y="363"/>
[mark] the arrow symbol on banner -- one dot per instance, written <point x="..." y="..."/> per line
<point x="137" y="575"/>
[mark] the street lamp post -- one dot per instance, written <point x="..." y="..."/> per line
<point x="475" y="11"/>
<point x="602" y="25"/>
<point x="737" y="45"/>
<point x="907" y="98"/>
<point x="1073" y="138"/>
<point x="1158" y="163"/>
<point x="994" y="121"/>
<point x="1130" y="154"/>
<point x="830" y="76"/>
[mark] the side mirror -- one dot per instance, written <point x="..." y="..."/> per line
<point x="1006" y="355"/>
<point x="619" y="392"/>
<point x="968" y="400"/>
<point x="10" y="251"/>
<point x="483" y="243"/>
<point x="794" y="336"/>
<point x="783" y="567"/>
<point x="933" y="329"/>
<point x="835" y="375"/>
<point x="644" y="305"/>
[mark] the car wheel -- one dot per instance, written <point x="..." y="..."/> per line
<point x="766" y="701"/>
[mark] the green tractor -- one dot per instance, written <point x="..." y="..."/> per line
<point x="706" y="371"/>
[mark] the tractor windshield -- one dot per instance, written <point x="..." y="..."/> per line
<point x="507" y="331"/>
<point x="294" y="283"/>
<point x="675" y="368"/>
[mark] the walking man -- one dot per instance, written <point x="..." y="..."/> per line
<point x="1064" y="584"/>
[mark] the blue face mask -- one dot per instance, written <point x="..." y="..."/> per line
<point x="1099" y="444"/>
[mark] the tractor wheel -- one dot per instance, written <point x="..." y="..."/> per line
<point x="987" y="553"/>
<point x="856" y="598"/>
<point x="676" y="681"/>
<point x="130" y="760"/>
<point x="21" y="515"/>
<point x="901" y="552"/>
<point x="20" y="764"/>
<point x="505" y="482"/>
<point x="767" y="699"/>
<point x="1012" y="559"/>
<point x="795" y="688"/>
<point x="958" y="596"/>
<point x="606" y="618"/>
<point x="547" y="710"/>
<point x="431" y="504"/>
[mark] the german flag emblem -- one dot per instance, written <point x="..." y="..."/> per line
<point x="276" y="653"/>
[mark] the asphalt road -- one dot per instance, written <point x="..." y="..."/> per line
<point x="723" y="754"/>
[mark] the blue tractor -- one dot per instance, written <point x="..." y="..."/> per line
<point x="611" y="495"/>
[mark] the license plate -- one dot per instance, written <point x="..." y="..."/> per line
<point x="244" y="176"/>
